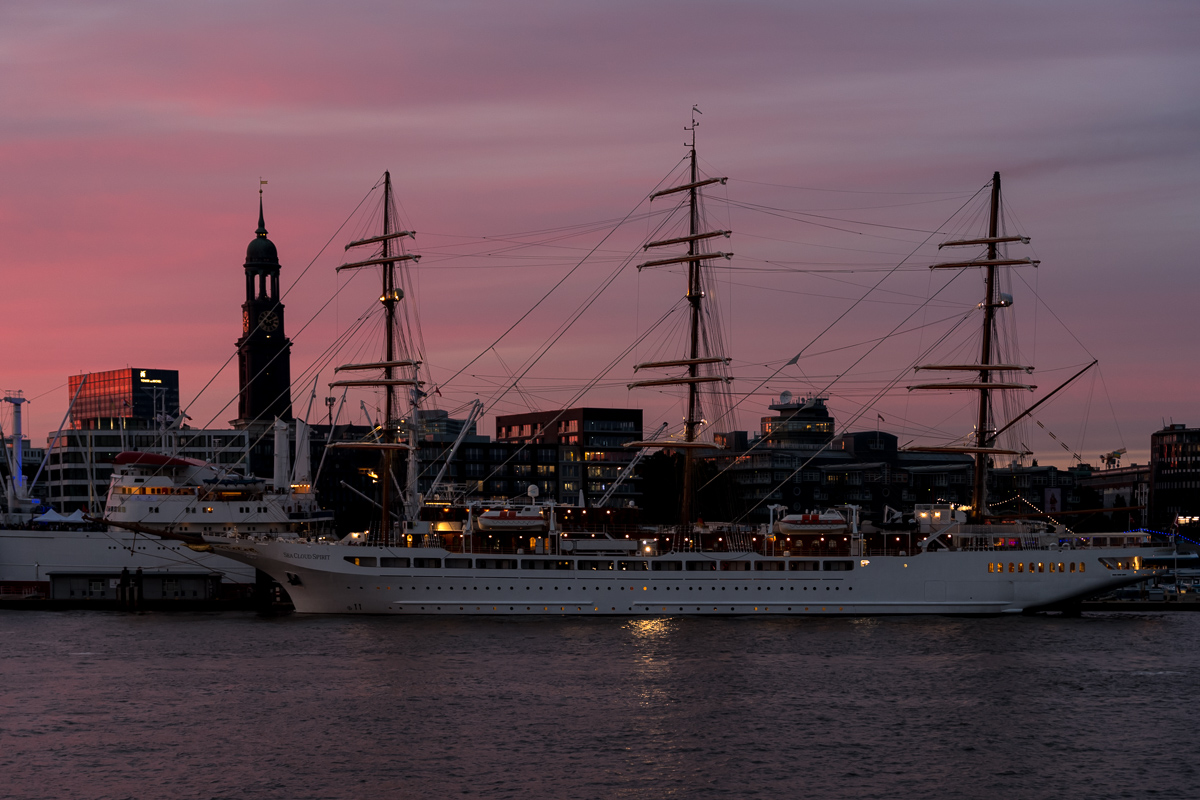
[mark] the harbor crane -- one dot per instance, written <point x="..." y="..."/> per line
<point x="1113" y="459"/>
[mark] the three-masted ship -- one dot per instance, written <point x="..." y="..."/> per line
<point x="403" y="567"/>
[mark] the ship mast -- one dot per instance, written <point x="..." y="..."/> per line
<point x="983" y="447"/>
<point x="692" y="422"/>
<point x="390" y="297"/>
<point x="694" y="356"/>
<point x="982" y="440"/>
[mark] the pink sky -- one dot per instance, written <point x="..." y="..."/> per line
<point x="134" y="134"/>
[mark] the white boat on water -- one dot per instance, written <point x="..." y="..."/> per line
<point x="957" y="564"/>
<point x="346" y="577"/>
<point x="149" y="494"/>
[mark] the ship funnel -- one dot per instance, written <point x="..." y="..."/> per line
<point x="282" y="473"/>
<point x="302" y="475"/>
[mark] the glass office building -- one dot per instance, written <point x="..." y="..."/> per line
<point x="123" y="396"/>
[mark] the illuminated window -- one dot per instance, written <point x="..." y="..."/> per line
<point x="1041" y="567"/>
<point x="1081" y="566"/>
<point x="991" y="567"/>
<point x="1072" y="566"/>
<point x="1060" y="566"/>
<point x="1052" y="566"/>
<point x="1021" y="567"/>
<point x="1010" y="566"/>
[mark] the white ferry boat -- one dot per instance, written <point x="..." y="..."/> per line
<point x="954" y="565"/>
<point x="158" y="508"/>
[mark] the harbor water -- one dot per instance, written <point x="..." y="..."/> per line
<point x="113" y="705"/>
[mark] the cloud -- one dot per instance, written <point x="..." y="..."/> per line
<point x="134" y="134"/>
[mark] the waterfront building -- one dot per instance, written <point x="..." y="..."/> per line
<point x="568" y="454"/>
<point x="116" y="410"/>
<point x="80" y="463"/>
<point x="1122" y="488"/>
<point x="795" y="460"/>
<point x="436" y="425"/>
<point x="119" y="399"/>
<point x="1021" y="489"/>
<point x="1174" y="475"/>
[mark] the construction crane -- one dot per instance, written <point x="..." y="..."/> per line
<point x="625" y="473"/>
<point x="1113" y="459"/>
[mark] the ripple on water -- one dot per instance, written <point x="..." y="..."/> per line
<point x="209" y="706"/>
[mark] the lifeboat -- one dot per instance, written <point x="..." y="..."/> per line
<point x="828" y="521"/>
<point x="528" y="518"/>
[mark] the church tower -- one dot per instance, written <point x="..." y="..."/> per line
<point x="264" y="352"/>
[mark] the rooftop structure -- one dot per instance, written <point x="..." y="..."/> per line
<point x="129" y="398"/>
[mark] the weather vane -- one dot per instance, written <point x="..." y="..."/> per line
<point x="695" y="122"/>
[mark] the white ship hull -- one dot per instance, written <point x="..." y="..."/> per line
<point x="320" y="580"/>
<point x="29" y="556"/>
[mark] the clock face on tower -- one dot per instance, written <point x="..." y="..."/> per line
<point x="268" y="321"/>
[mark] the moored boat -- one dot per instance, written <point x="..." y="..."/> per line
<point x="952" y="562"/>
<point x="511" y="518"/>
<point x="828" y="521"/>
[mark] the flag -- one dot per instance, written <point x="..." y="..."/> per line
<point x="881" y="419"/>
<point x="437" y="391"/>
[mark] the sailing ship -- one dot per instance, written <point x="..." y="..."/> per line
<point x="406" y="566"/>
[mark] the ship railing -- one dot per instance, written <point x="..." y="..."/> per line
<point x="1009" y="544"/>
<point x="458" y="544"/>
<point x="22" y="591"/>
<point x="1000" y="529"/>
<point x="1038" y="544"/>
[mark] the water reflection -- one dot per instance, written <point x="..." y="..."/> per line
<point x="655" y="628"/>
<point x="567" y="707"/>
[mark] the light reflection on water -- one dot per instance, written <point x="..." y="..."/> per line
<point x="651" y="628"/>
<point x="212" y="706"/>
